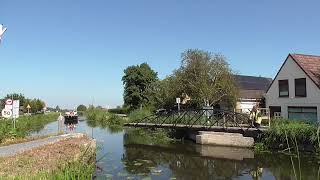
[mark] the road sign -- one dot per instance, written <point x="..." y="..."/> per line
<point x="9" y="102"/>
<point x="6" y="113"/>
<point x="9" y="107"/>
<point x="15" y="108"/>
<point x="178" y="100"/>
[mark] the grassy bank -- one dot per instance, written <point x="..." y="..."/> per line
<point x="290" y="133"/>
<point x="100" y="117"/>
<point x="66" y="159"/>
<point x="24" y="126"/>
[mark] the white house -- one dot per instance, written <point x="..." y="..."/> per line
<point x="295" y="91"/>
<point x="251" y="91"/>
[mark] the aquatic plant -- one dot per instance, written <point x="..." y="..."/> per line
<point x="304" y="133"/>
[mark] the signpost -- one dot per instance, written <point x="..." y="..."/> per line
<point x="178" y="101"/>
<point x="28" y="107"/>
<point x="11" y="110"/>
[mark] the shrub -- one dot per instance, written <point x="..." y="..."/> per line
<point x="103" y="118"/>
<point x="139" y="114"/>
<point x="119" y="110"/>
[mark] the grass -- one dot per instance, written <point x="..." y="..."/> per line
<point x="24" y="126"/>
<point x="282" y="132"/>
<point x="68" y="159"/>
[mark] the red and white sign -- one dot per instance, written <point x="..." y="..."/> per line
<point x="9" y="102"/>
<point x="6" y="113"/>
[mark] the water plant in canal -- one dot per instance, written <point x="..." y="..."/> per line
<point x="299" y="133"/>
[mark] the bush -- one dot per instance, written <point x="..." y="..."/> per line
<point x="103" y="118"/>
<point x="139" y="114"/>
<point x="119" y="111"/>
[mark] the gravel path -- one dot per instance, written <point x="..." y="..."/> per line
<point x="13" y="149"/>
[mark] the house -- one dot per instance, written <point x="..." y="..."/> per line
<point x="295" y="91"/>
<point x="251" y="91"/>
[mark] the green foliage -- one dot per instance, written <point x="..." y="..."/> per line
<point x="139" y="114"/>
<point x="205" y="77"/>
<point x="81" y="108"/>
<point x="259" y="147"/>
<point x="24" y="125"/>
<point x="119" y="110"/>
<point x="103" y="118"/>
<point x="148" y="137"/>
<point x="36" y="104"/>
<point x="137" y="79"/>
<point x="302" y="132"/>
<point x="15" y="96"/>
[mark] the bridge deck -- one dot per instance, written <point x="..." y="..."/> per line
<point x="197" y="127"/>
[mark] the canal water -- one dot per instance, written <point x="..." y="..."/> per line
<point x="119" y="157"/>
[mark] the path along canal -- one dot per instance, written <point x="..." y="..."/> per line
<point x="120" y="158"/>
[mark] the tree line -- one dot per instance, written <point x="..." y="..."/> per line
<point x="36" y="105"/>
<point x="203" y="79"/>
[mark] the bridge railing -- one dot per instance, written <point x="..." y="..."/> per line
<point x="206" y="118"/>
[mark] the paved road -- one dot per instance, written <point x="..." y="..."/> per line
<point x="21" y="147"/>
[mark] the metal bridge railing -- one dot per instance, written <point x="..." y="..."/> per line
<point x="205" y="118"/>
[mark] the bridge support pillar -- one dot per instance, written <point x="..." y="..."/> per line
<point x="224" y="139"/>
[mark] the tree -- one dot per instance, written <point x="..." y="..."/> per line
<point x="57" y="108"/>
<point x="82" y="108"/>
<point x="137" y="79"/>
<point x="206" y="78"/>
<point x="203" y="76"/>
<point x="36" y="105"/>
<point x="14" y="96"/>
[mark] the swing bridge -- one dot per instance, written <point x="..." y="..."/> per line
<point x="201" y="120"/>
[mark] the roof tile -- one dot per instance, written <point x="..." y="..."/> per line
<point x="310" y="64"/>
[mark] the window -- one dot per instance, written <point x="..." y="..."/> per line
<point x="300" y="87"/>
<point x="303" y="113"/>
<point x="283" y="88"/>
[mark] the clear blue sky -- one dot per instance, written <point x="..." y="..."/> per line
<point x="69" y="52"/>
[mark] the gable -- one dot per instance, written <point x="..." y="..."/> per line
<point x="296" y="69"/>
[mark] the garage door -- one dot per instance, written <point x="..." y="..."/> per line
<point x="303" y="113"/>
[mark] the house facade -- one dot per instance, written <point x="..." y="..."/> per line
<point x="251" y="91"/>
<point x="295" y="91"/>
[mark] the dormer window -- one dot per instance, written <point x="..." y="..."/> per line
<point x="283" y="88"/>
<point x="300" y="87"/>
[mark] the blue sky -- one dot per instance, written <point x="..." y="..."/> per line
<point x="69" y="52"/>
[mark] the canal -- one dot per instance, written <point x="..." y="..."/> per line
<point x="122" y="154"/>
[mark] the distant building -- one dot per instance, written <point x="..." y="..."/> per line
<point x="295" y="91"/>
<point x="251" y="91"/>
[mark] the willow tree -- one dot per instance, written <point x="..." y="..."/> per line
<point x="206" y="78"/>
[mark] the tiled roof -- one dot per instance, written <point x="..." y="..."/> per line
<point x="310" y="65"/>
<point x="251" y="87"/>
<point x="251" y="94"/>
<point x="252" y="82"/>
